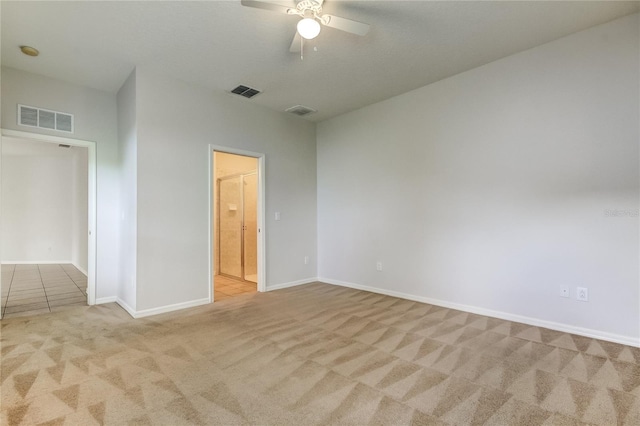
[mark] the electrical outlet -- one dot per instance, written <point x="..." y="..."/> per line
<point x="277" y="216"/>
<point x="582" y="294"/>
<point x="564" y="291"/>
<point x="379" y="266"/>
<point x="306" y="260"/>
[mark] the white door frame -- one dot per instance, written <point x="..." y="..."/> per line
<point x="92" y="197"/>
<point x="262" y="282"/>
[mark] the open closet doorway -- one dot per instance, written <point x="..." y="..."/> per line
<point x="236" y="224"/>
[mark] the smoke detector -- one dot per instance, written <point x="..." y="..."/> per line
<point x="29" y="51"/>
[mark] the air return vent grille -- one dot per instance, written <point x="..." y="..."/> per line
<point x="45" y="119"/>
<point x="245" y="91"/>
<point x="300" y="110"/>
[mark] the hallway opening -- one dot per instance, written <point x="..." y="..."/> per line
<point x="47" y="247"/>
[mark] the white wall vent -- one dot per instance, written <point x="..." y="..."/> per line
<point x="45" y="119"/>
<point x="300" y="110"/>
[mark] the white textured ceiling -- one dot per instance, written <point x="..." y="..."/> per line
<point x="220" y="44"/>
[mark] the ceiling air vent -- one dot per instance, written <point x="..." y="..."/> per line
<point x="245" y="91"/>
<point x="45" y="119"/>
<point x="300" y="110"/>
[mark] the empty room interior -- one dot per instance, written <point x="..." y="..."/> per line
<point x="44" y="210"/>
<point x="320" y="212"/>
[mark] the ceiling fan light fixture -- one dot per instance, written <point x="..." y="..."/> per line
<point x="308" y="28"/>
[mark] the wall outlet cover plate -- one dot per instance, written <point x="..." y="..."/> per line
<point x="582" y="294"/>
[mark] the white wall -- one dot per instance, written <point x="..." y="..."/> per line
<point x="127" y="163"/>
<point x="44" y="209"/>
<point x="37" y="208"/>
<point x="164" y="128"/>
<point x="489" y="189"/>
<point x="176" y="122"/>
<point x="95" y="120"/>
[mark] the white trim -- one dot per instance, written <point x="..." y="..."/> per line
<point x="92" y="197"/>
<point x="566" y="328"/>
<point x="126" y="307"/>
<point x="262" y="224"/>
<point x="262" y="273"/>
<point x="162" y="309"/>
<point x="37" y="262"/>
<point x="212" y="241"/>
<point x="103" y="300"/>
<point x="292" y="284"/>
<point x="80" y="269"/>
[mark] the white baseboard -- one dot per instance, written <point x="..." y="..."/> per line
<point x="81" y="269"/>
<point x="595" y="334"/>
<point x="162" y="309"/>
<point x="126" y="307"/>
<point x="43" y="262"/>
<point x="103" y="300"/>
<point x="35" y="262"/>
<point x="291" y="284"/>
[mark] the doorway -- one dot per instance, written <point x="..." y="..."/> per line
<point x="57" y="260"/>
<point x="236" y="224"/>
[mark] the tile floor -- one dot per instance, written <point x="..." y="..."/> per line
<point x="225" y="287"/>
<point x="38" y="289"/>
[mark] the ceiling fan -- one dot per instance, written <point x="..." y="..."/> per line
<point x="312" y="18"/>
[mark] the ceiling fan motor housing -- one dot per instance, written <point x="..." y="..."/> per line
<point x="313" y="6"/>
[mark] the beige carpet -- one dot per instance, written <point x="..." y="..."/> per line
<point x="314" y="354"/>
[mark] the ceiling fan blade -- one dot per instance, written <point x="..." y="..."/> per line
<point x="295" y="44"/>
<point x="345" y="24"/>
<point x="269" y="6"/>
